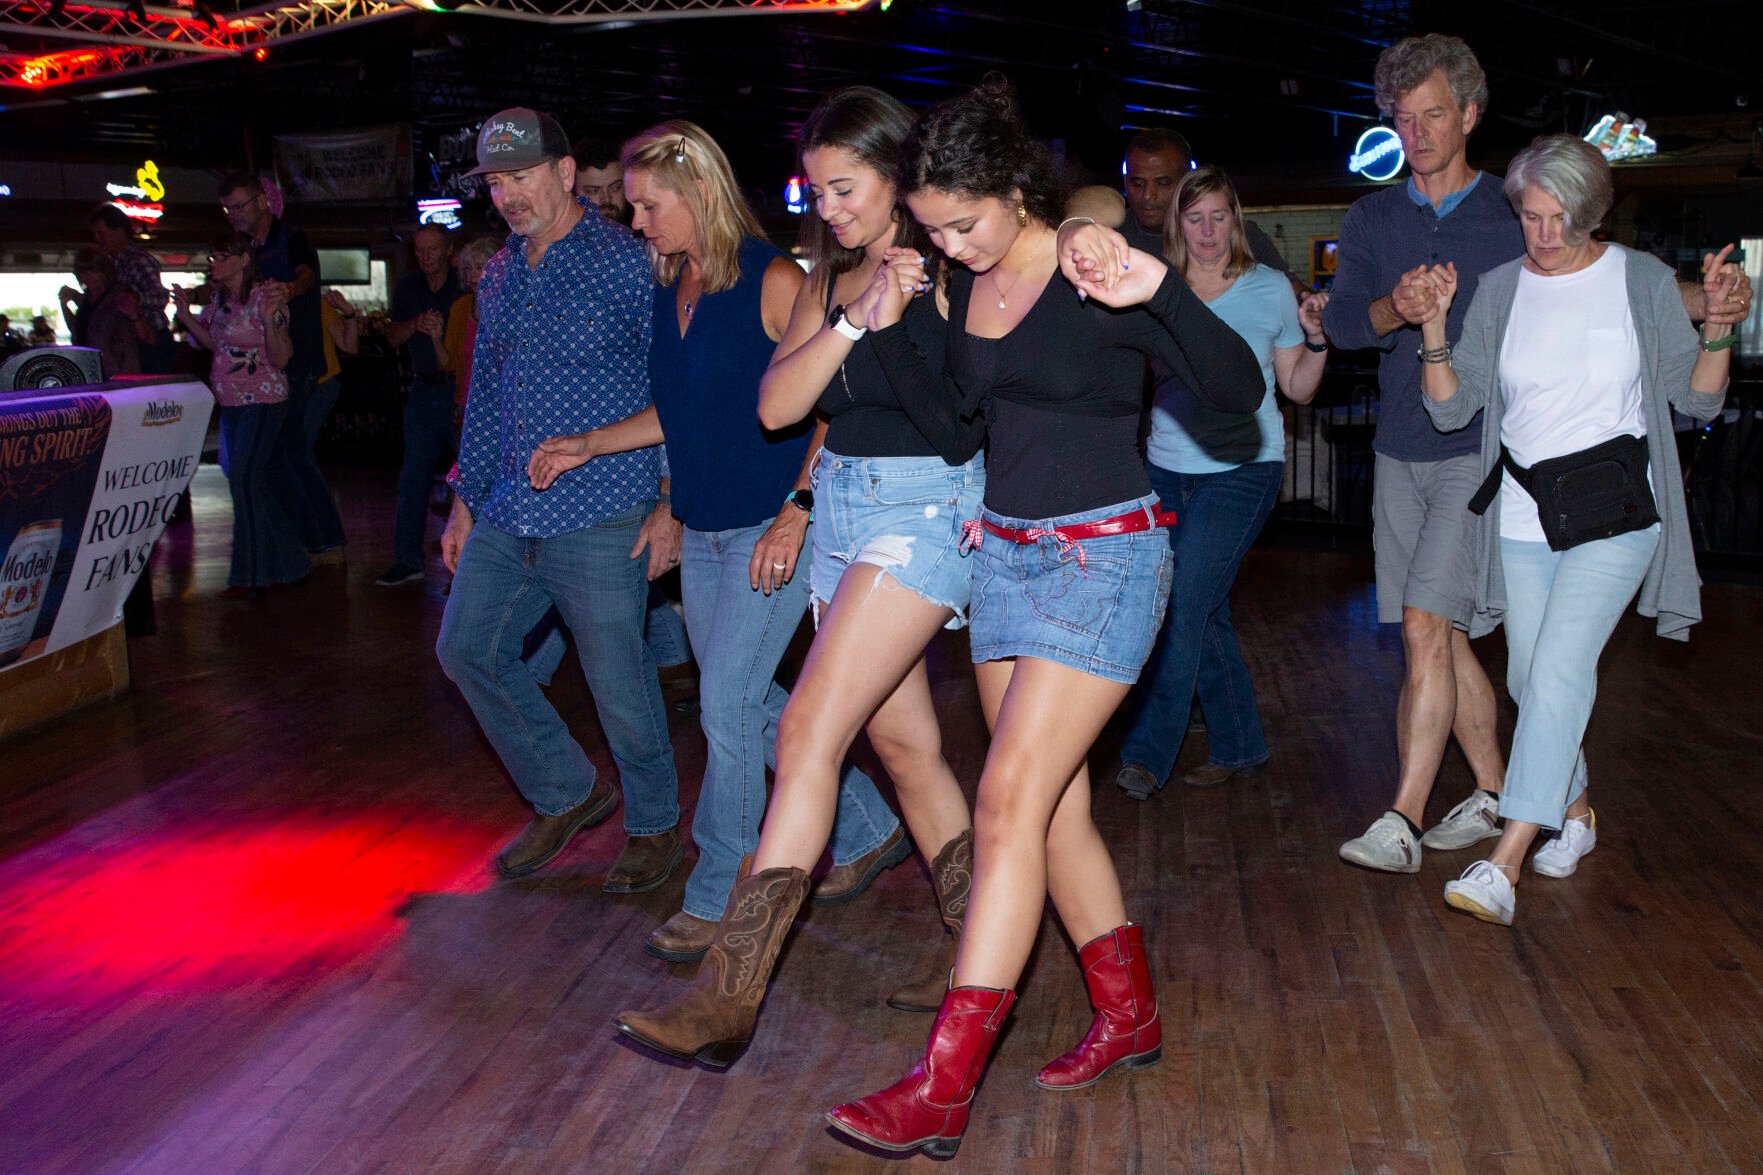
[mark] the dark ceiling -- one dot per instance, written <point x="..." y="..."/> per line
<point x="1271" y="88"/>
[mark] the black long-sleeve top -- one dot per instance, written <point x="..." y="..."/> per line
<point x="1058" y="399"/>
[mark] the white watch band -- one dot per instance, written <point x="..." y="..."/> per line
<point x="849" y="329"/>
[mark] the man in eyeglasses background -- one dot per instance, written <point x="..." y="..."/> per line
<point x="289" y="266"/>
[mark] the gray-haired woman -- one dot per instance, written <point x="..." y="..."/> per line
<point x="1578" y="351"/>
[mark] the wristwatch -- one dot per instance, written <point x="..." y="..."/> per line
<point x="845" y="326"/>
<point x="802" y="500"/>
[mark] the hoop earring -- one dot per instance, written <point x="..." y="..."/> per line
<point x="1022" y="215"/>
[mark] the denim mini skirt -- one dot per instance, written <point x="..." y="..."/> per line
<point x="901" y="514"/>
<point x="1035" y="600"/>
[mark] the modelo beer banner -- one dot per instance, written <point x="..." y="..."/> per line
<point x="88" y="480"/>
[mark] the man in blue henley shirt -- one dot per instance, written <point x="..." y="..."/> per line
<point x="1436" y="92"/>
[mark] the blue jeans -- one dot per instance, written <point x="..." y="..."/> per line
<point x="428" y="429"/>
<point x="739" y="635"/>
<point x="1561" y="607"/>
<point x="504" y="587"/>
<point x="297" y="473"/>
<point x="1219" y="515"/>
<point x="266" y="547"/>
<point x="663" y="631"/>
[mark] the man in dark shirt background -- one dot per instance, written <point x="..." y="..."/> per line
<point x="419" y="318"/>
<point x="288" y="265"/>
<point x="1155" y="162"/>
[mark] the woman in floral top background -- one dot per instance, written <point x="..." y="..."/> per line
<point x="246" y="328"/>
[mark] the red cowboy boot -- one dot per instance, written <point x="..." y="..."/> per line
<point x="927" y="1109"/>
<point x="1126" y="1030"/>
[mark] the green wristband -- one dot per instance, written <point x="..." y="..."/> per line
<point x="1720" y="344"/>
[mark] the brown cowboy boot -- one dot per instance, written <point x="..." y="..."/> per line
<point x="951" y="876"/>
<point x="712" y="1020"/>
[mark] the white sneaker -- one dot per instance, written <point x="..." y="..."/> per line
<point x="1483" y="890"/>
<point x="1560" y="857"/>
<point x="1475" y="819"/>
<point x="1386" y="845"/>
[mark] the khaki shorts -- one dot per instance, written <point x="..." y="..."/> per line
<point x="1425" y="536"/>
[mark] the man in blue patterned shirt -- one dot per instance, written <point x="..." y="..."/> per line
<point x="562" y="347"/>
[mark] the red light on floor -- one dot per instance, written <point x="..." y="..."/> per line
<point x="222" y="904"/>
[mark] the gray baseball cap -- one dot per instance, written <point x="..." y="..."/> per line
<point x="516" y="139"/>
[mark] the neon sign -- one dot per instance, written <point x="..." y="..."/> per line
<point x="1617" y="137"/>
<point x="796" y="195"/>
<point x="441" y="212"/>
<point x="140" y="201"/>
<point x="1377" y="155"/>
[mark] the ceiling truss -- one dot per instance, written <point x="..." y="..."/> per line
<point x="114" y="39"/>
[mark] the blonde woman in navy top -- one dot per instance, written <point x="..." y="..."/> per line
<point x="722" y="300"/>
<point x="888" y="571"/>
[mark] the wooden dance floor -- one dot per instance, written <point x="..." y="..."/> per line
<point x="245" y="925"/>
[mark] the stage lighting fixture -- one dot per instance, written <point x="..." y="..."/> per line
<point x="138" y="11"/>
<point x="56" y="8"/>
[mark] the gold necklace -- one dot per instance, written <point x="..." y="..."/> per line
<point x="993" y="272"/>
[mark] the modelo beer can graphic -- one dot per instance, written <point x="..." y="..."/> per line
<point x="24" y="578"/>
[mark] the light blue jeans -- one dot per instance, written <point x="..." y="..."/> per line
<point x="738" y="636"/>
<point x="1561" y="607"/>
<point x="504" y="586"/>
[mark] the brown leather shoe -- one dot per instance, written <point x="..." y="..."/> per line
<point x="846" y="883"/>
<point x="683" y="938"/>
<point x="540" y="841"/>
<point x="1212" y="774"/>
<point x="647" y="862"/>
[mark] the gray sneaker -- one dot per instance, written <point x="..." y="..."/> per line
<point x="1386" y="845"/>
<point x="1474" y="820"/>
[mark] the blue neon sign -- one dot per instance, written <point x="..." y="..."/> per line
<point x="1377" y="155"/>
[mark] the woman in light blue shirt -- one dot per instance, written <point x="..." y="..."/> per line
<point x="1221" y="473"/>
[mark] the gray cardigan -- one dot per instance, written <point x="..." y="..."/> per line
<point x="1671" y="590"/>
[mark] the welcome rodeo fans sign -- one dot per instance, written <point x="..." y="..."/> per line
<point x="88" y="480"/>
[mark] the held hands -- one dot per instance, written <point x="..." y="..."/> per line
<point x="557" y="456"/>
<point x="1310" y="317"/>
<point x="1440" y="286"/>
<point x="1091" y="255"/>
<point x="1415" y="298"/>
<point x="900" y="278"/>
<point x="1131" y="286"/>
<point x="430" y="323"/>
<point x="1726" y="291"/>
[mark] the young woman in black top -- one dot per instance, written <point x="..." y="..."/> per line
<point x="886" y="573"/>
<point x="1070" y="579"/>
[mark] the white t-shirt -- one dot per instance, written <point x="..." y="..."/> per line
<point x="1570" y="375"/>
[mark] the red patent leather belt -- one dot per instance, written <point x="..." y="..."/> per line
<point x="1069" y="536"/>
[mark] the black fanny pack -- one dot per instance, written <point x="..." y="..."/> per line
<point x="1592" y="494"/>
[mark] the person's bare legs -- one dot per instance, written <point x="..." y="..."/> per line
<point x="866" y="665"/>
<point x="1425" y="708"/>
<point x="1045" y="716"/>
<point x="1476" y="715"/>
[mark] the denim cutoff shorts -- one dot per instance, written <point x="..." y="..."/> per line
<point x="901" y="514"/>
<point x="1031" y="600"/>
